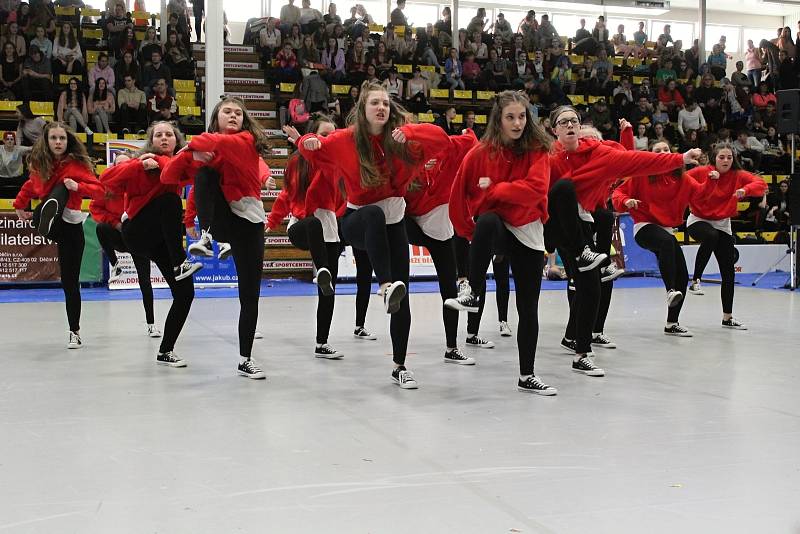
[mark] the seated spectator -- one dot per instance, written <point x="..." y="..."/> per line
<point x="67" y="55"/>
<point x="739" y="78"/>
<point x="269" y="41"/>
<point x="72" y="107"/>
<point x="155" y="71"/>
<point x="478" y="22"/>
<point x="382" y="59"/>
<point x="445" y="121"/>
<point x="357" y="61"/>
<point x="660" y="114"/>
<point x="310" y="18"/>
<point x="417" y="92"/>
<point x="769" y="117"/>
<point x="690" y="118"/>
<point x="640" y="36"/>
<point x="131" y="105"/>
<point x="522" y="69"/>
<point x="763" y="97"/>
<point x="718" y="61"/>
<point x="331" y="19"/>
<point x="333" y="61"/>
<point x="427" y="47"/>
<point x="671" y="98"/>
<point x="127" y="66"/>
<point x="100" y="105"/>
<point x="453" y="70"/>
<point x="645" y="90"/>
<point x="749" y="149"/>
<point x="660" y="135"/>
<point x="12" y="170"/>
<point x="665" y="39"/>
<point x="286" y="67"/>
<point x="502" y="29"/>
<point x="394" y="85"/>
<point x="665" y="73"/>
<point x="778" y="216"/>
<point x="470" y="71"/>
<point x="601" y="74"/>
<point x="29" y="127"/>
<point x="444" y="26"/>
<point x="690" y="140"/>
<point x="642" y="113"/>
<point x="174" y="25"/>
<point x="624" y="88"/>
<point x="161" y="106"/>
<point x="37" y="79"/>
<point x="10" y="74"/>
<point x="621" y="46"/>
<point x="44" y="44"/>
<point x="600" y="116"/>
<point x="496" y="71"/>
<point x="151" y="43"/>
<point x="178" y="59"/>
<point x="116" y="26"/>
<point x="774" y="158"/>
<point x="294" y="38"/>
<point x="601" y="34"/>
<point x="641" y="140"/>
<point x="469" y="122"/>
<point x="561" y="69"/>
<point x="405" y="48"/>
<point x="538" y="66"/>
<point x="372" y="74"/>
<point x="14" y="37"/>
<point x="345" y="105"/>
<point x="102" y="70"/>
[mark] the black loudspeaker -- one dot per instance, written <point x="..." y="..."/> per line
<point x="793" y="199"/>
<point x="789" y="111"/>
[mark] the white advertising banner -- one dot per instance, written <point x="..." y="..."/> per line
<point x="130" y="279"/>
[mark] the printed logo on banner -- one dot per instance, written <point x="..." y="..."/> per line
<point x="115" y="147"/>
<point x="277" y="240"/>
<point x="130" y="278"/>
<point x="420" y="255"/>
<point x="214" y="272"/>
<point x="288" y="264"/>
<point x="25" y="256"/>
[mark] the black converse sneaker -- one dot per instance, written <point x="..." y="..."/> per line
<point x="455" y="356"/>
<point x="610" y="272"/>
<point x="74" y="341"/>
<point x="404" y="378"/>
<point x="187" y="269"/>
<point x="170" y="358"/>
<point x="533" y="384"/>
<point x="249" y="369"/>
<point x="115" y="273"/>
<point x="152" y="331"/>
<point x="570" y="345"/>
<point x="733" y="324"/>
<point x="325" y="281"/>
<point x="676" y="330"/>
<point x="586" y="366"/>
<point x="393" y="296"/>
<point x="47" y="215"/>
<point x="590" y="259"/>
<point x="478" y="342"/>
<point x="674" y="298"/>
<point x="224" y="251"/>
<point x="203" y="246"/>
<point x="601" y="340"/>
<point x="465" y="302"/>
<point x="327" y="352"/>
<point x="695" y="289"/>
<point x="362" y="333"/>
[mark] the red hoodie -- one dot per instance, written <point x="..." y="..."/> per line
<point x="235" y="158"/>
<point x="290" y="201"/>
<point x="594" y="166"/>
<point x="518" y="193"/>
<point x="35" y="187"/>
<point x="436" y="184"/>
<point x="662" y="202"/>
<point x="107" y="209"/>
<point x="136" y="185"/>
<point x="339" y="157"/>
<point x="716" y="199"/>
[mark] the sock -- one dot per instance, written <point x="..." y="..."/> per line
<point x="578" y="357"/>
<point x="319" y="345"/>
<point x="471" y="335"/>
<point x="523" y="378"/>
<point x="243" y="359"/>
<point x="451" y="349"/>
<point x="671" y="324"/>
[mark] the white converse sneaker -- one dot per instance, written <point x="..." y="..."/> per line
<point x="224" y="251"/>
<point x="505" y="330"/>
<point x="152" y="331"/>
<point x="674" y="298"/>
<point x="187" y="269"/>
<point x="115" y="273"/>
<point x="393" y="296"/>
<point x="74" y="341"/>
<point x="202" y="247"/>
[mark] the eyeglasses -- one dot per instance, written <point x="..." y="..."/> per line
<point x="575" y="121"/>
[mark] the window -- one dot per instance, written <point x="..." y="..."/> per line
<point x="513" y="17"/>
<point x="731" y="33"/>
<point x="466" y="14"/>
<point x="567" y="25"/>
<point x="420" y="15"/>
<point x="680" y="31"/>
<point x="238" y="11"/>
<point x="375" y="9"/>
<point x="755" y="35"/>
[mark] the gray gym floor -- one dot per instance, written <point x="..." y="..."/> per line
<point x="682" y="435"/>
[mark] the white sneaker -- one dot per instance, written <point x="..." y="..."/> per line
<point x="457" y="357"/>
<point x="505" y="330"/>
<point x="393" y="296"/>
<point x="224" y="251"/>
<point x="362" y="333"/>
<point x="601" y="340"/>
<point x="324" y="281"/>
<point x="327" y="352"/>
<point x="676" y="330"/>
<point x="203" y="247"/>
<point x="733" y="324"/>
<point x="74" y="341"/>
<point x="477" y="342"/>
<point x="610" y="272"/>
<point x="187" y="269"/>
<point x="115" y="273"/>
<point x="88" y="131"/>
<point x="258" y="335"/>
<point x="152" y="331"/>
<point x="695" y="288"/>
<point x="674" y="298"/>
<point x="404" y="378"/>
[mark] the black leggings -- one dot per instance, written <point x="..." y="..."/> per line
<point x="154" y="231"/>
<point x="461" y="247"/>
<point x="444" y="259"/>
<point x="363" y="284"/>
<point x="70" y="241"/>
<point x="671" y="262"/>
<point x="502" y="287"/>
<point x="247" y="247"/>
<point x="564" y="230"/>
<point x="603" y="231"/>
<point x="111" y="241"/>
<point x="721" y="245"/>
<point x="586" y="301"/>
<point x="387" y="248"/>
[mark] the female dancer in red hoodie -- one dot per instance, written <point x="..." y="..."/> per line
<point x="722" y="185"/>
<point x="503" y="182"/>
<point x="657" y="205"/>
<point x="582" y="172"/>
<point x="428" y="225"/>
<point x="377" y="157"/>
<point x="152" y="225"/>
<point x="228" y="199"/>
<point x="61" y="175"/>
<point x="107" y="212"/>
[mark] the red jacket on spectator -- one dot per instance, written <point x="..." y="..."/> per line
<point x="662" y="199"/>
<point x="716" y="198"/>
<point x="35" y="187"/>
<point x="666" y="96"/>
<point x="129" y="180"/>
<point x="760" y="101"/>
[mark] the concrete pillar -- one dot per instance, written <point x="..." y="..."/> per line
<point x="214" y="57"/>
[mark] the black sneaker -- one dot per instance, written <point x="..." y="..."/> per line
<point x="170" y="358"/>
<point x="674" y="298"/>
<point x="571" y="285"/>
<point x="586" y="366"/>
<point x="325" y="281"/>
<point x="327" y="352"/>
<point x="590" y="259"/>
<point x="466" y="302"/>
<point x="610" y="273"/>
<point x="249" y="369"/>
<point x="404" y="378"/>
<point x="570" y="345"/>
<point x="47" y="215"/>
<point x="477" y="342"/>
<point x="362" y="333"/>
<point x="534" y="385"/>
<point x="393" y="296"/>
<point x="695" y="288"/>
<point x="601" y="340"/>
<point x="187" y="269"/>
<point x="676" y="330"/>
<point x="115" y="273"/>
<point x="733" y="324"/>
<point x="455" y="356"/>
<point x="74" y="341"/>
